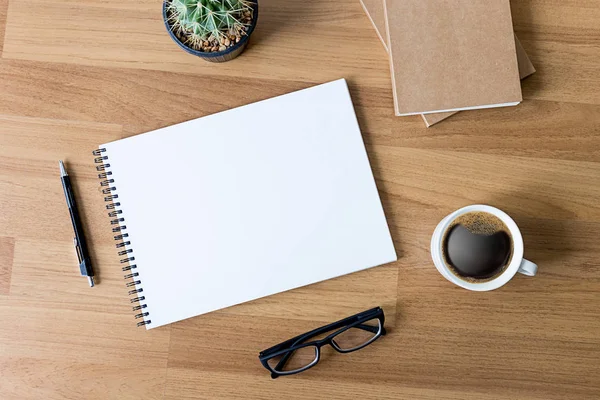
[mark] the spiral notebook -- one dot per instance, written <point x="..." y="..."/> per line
<point x="243" y="204"/>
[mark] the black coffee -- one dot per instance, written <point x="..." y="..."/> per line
<point x="477" y="246"/>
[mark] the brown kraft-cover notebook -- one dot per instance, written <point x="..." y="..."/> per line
<point x="451" y="55"/>
<point x="375" y="13"/>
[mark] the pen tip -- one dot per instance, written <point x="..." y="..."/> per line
<point x="91" y="281"/>
<point x="63" y="172"/>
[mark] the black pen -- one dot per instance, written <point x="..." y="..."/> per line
<point x="85" y="265"/>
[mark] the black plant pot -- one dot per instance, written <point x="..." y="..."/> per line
<point x="217" y="56"/>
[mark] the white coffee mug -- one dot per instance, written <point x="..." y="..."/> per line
<point x="517" y="263"/>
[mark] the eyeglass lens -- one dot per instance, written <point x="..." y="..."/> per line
<point x="358" y="336"/>
<point x="297" y="360"/>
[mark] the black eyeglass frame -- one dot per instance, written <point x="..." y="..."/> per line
<point x="291" y="345"/>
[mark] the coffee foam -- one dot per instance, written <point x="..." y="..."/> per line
<point x="480" y="223"/>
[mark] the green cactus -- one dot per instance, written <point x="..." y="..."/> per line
<point x="201" y="20"/>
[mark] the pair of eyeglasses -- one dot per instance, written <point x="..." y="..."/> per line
<point x="301" y="353"/>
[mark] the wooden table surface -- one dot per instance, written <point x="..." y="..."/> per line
<point x="74" y="74"/>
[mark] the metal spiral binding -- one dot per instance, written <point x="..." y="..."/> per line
<point x="122" y="237"/>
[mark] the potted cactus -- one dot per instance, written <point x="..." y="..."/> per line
<point x="215" y="30"/>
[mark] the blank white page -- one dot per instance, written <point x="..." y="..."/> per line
<point x="248" y="202"/>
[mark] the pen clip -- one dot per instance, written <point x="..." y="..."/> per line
<point x="77" y="250"/>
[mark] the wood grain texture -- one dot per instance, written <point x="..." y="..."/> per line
<point x="3" y="11"/>
<point x="7" y="253"/>
<point x="80" y="73"/>
<point x="561" y="39"/>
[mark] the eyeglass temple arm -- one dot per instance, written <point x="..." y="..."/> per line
<point x="372" y="313"/>
<point x="372" y="329"/>
<point x="286" y="357"/>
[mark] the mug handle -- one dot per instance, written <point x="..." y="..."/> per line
<point x="528" y="268"/>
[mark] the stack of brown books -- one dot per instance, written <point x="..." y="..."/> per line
<point x="448" y="56"/>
